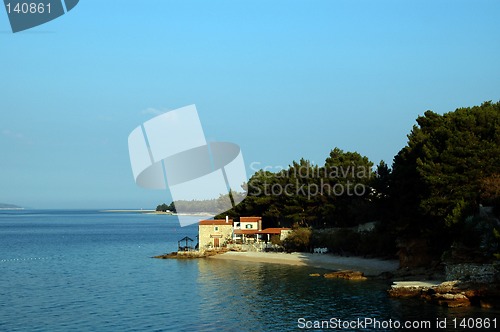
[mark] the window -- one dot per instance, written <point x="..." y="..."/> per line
<point x="216" y="228"/>
<point x="249" y="226"/>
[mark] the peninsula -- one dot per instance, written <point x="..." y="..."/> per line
<point x="4" y="206"/>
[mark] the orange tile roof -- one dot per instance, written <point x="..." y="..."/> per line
<point x="215" y="222"/>
<point x="274" y="230"/>
<point x="265" y="231"/>
<point x="250" y="219"/>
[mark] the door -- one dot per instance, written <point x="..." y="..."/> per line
<point x="216" y="242"/>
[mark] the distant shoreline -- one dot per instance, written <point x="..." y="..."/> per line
<point x="128" y="211"/>
<point x="196" y="214"/>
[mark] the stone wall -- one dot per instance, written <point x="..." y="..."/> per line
<point x="207" y="233"/>
<point x="480" y="273"/>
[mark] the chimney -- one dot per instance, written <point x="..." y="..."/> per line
<point x="227" y="219"/>
<point x="259" y="223"/>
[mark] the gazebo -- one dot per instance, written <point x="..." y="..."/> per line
<point x="185" y="244"/>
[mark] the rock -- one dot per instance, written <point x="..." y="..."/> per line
<point x="449" y="293"/>
<point x="405" y="292"/>
<point x="314" y="275"/>
<point x="451" y="300"/>
<point x="408" y="289"/>
<point x="445" y="287"/>
<point x="191" y="254"/>
<point x="485" y="304"/>
<point x="414" y="253"/>
<point x="166" y="256"/>
<point x="346" y="274"/>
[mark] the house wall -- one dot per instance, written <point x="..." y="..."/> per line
<point x="206" y="234"/>
<point x="254" y="225"/>
<point x="284" y="234"/>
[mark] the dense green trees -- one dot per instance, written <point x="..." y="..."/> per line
<point x="451" y="155"/>
<point x="337" y="193"/>
<point x="164" y="207"/>
<point x="449" y="167"/>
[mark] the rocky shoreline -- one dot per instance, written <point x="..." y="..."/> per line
<point x="466" y="284"/>
<point x="450" y="294"/>
<point x="457" y="285"/>
<point x="192" y="254"/>
<point x="343" y="274"/>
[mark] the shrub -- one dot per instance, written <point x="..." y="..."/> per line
<point x="378" y="242"/>
<point x="298" y="240"/>
<point x="275" y="239"/>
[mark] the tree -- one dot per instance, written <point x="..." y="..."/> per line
<point x="334" y="194"/>
<point x="172" y="208"/>
<point x="349" y="175"/>
<point x="437" y="178"/>
<point x="163" y="208"/>
<point x="298" y="240"/>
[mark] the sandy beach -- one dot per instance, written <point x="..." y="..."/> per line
<point x="369" y="266"/>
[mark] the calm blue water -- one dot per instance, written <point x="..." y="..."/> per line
<point x="92" y="271"/>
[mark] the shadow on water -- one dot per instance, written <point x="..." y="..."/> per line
<point x="266" y="296"/>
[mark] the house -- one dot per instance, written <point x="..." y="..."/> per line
<point x="214" y="233"/>
<point x="251" y="223"/>
<point x="219" y="232"/>
<point x="246" y="229"/>
<point x="249" y="229"/>
<point x="270" y="232"/>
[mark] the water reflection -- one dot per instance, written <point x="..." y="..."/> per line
<point x="263" y="295"/>
<point x="268" y="296"/>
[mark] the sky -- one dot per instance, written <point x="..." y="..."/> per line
<point x="283" y="79"/>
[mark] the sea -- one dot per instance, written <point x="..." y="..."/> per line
<point x="85" y="270"/>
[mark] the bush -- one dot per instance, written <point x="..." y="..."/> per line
<point x="345" y="241"/>
<point x="337" y="240"/>
<point x="379" y="242"/>
<point x="275" y="239"/>
<point x="480" y="233"/>
<point x="298" y="240"/>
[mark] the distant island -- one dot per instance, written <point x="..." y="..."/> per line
<point x="195" y="207"/>
<point x="4" y="206"/>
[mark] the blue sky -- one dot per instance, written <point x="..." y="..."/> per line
<point x="283" y="79"/>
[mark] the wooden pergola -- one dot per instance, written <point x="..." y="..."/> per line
<point x="188" y="244"/>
